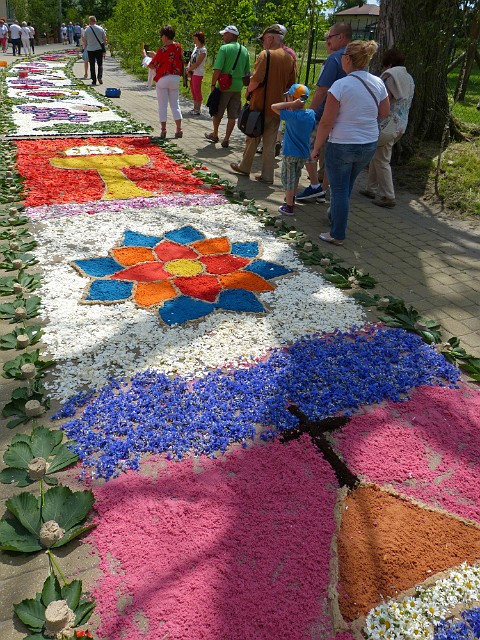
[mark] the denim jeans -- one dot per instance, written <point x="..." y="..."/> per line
<point x="343" y="163"/>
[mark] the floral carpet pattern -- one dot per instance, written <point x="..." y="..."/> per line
<point x="265" y="463"/>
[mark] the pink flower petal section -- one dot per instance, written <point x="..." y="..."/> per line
<point x="427" y="448"/>
<point x="223" y="264"/>
<point x="149" y="272"/>
<point x="218" y="549"/>
<point x="168" y="250"/>
<point x="203" y="287"/>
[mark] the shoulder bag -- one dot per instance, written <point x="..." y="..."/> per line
<point x="225" y="79"/>
<point x="252" y="123"/>
<point x="102" y="44"/>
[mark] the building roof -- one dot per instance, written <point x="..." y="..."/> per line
<point x="365" y="10"/>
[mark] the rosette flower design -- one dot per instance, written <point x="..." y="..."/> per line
<point x="183" y="274"/>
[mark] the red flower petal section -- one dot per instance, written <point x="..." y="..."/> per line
<point x="212" y="246"/>
<point x="202" y="287"/>
<point x="168" y="250"/>
<point x="223" y="264"/>
<point x="142" y="273"/>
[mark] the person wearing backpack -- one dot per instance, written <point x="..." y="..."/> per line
<point x="231" y="66"/>
<point x="95" y="39"/>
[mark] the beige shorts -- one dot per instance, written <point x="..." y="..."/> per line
<point x="232" y="102"/>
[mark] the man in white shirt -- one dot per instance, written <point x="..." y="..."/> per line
<point x="16" y="36"/>
<point x="95" y="39"/>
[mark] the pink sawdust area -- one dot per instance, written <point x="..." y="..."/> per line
<point x="234" y="548"/>
<point x="427" y="448"/>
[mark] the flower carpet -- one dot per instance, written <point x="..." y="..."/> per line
<point x="265" y="463"/>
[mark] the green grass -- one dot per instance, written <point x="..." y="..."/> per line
<point x="466" y="110"/>
<point x="459" y="183"/>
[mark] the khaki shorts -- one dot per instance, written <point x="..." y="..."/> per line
<point x="232" y="102"/>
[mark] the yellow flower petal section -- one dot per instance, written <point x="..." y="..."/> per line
<point x="183" y="267"/>
<point x="118" y="186"/>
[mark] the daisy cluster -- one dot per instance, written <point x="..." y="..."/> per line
<point x="417" y="617"/>
<point x="94" y="342"/>
<point x="320" y="375"/>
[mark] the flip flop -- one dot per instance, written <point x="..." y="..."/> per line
<point x="326" y="237"/>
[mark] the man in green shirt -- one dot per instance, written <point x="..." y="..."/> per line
<point x="231" y="59"/>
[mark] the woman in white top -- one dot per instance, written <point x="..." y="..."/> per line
<point x="195" y="71"/>
<point x="350" y="122"/>
<point x="25" y="35"/>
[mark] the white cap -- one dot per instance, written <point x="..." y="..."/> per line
<point x="230" y="29"/>
<point x="283" y="29"/>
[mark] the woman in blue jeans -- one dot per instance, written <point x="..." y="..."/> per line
<point x="350" y="122"/>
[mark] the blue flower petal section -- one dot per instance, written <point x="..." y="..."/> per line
<point x="134" y="239"/>
<point x="185" y="235"/>
<point x="245" y="249"/>
<point x="98" y="267"/>
<point x="109" y="290"/>
<point x="239" y="300"/>
<point x="184" y="308"/>
<point x="267" y="270"/>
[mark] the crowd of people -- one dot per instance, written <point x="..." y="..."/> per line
<point x="354" y="119"/>
<point x="21" y="36"/>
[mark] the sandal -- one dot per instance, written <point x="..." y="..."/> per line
<point x="211" y="138"/>
<point x="326" y="237"/>
<point x="163" y="134"/>
<point x="237" y="169"/>
<point x="179" y="134"/>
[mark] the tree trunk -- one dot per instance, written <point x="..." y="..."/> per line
<point x="423" y="30"/>
<point x="464" y="76"/>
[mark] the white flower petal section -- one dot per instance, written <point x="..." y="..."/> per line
<point x="93" y="150"/>
<point x="93" y="342"/>
<point x="415" y="617"/>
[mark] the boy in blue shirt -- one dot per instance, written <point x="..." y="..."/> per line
<point x="299" y="124"/>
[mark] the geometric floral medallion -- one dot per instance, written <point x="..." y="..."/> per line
<point x="183" y="274"/>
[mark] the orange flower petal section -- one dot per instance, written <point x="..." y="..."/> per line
<point x="150" y="293"/>
<point x="128" y="256"/>
<point x="245" y="280"/>
<point x="201" y="287"/>
<point x="212" y="246"/>
<point x="168" y="250"/>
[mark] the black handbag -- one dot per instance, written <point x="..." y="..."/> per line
<point x="213" y="101"/>
<point x="252" y="123"/>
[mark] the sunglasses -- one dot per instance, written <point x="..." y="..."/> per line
<point x="332" y="36"/>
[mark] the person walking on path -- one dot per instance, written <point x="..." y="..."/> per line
<point x="16" y="37"/>
<point x="336" y="39"/>
<point x="400" y="87"/>
<point x="70" y="30"/>
<point x="265" y="91"/>
<point x="195" y="71"/>
<point x="95" y="42"/>
<point x="168" y="65"/>
<point x="77" y="33"/>
<point x="3" y="35"/>
<point x="231" y="65"/>
<point x="350" y="122"/>
<point x="86" y="63"/>
<point x="31" y="28"/>
<point x="63" y="31"/>
<point x="299" y="124"/>
<point x="25" y="35"/>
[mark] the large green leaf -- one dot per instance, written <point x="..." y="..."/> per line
<point x="66" y="507"/>
<point x="14" y="537"/>
<point x="27" y="509"/>
<point x="31" y="613"/>
<point x="83" y="612"/>
<point x="74" y="533"/>
<point x="15" y="476"/>
<point x="18" y="455"/>
<point x="64" y="458"/>
<point x="51" y="590"/>
<point x="42" y="442"/>
<point x="37" y="636"/>
<point x="71" y="593"/>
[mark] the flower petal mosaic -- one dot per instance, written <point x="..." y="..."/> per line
<point x="265" y="462"/>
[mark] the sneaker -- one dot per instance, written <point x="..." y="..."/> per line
<point x="286" y="209"/>
<point x="367" y="193"/>
<point x="192" y="112"/>
<point x="310" y="193"/>
<point x="100" y="81"/>
<point x="384" y="202"/>
<point x="321" y="200"/>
